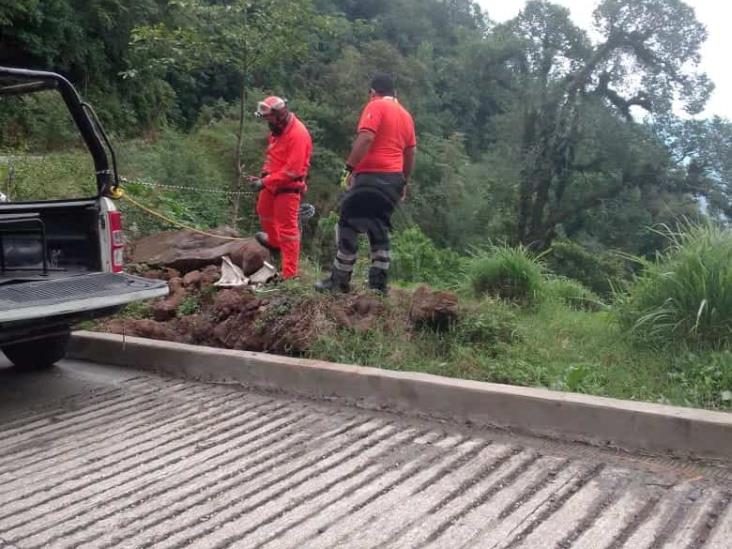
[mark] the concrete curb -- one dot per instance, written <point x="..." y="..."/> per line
<point x="601" y="421"/>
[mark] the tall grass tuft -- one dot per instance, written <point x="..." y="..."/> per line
<point x="513" y="274"/>
<point x="685" y="295"/>
<point x="572" y="293"/>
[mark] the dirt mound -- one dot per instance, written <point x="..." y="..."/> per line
<point x="433" y="309"/>
<point x="199" y="313"/>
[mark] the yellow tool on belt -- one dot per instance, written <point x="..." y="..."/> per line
<point x="345" y="177"/>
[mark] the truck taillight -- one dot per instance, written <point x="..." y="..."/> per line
<point x="116" y="240"/>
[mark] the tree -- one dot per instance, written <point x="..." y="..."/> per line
<point x="703" y="150"/>
<point x="237" y="36"/>
<point x="647" y="58"/>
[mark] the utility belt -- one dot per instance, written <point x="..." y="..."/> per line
<point x="288" y="191"/>
<point x="293" y="190"/>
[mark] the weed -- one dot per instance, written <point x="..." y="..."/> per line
<point x="136" y="310"/>
<point x="189" y="306"/>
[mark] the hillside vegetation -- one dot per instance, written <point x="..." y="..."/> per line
<point x="584" y="225"/>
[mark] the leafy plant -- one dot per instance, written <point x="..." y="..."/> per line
<point x="488" y="326"/>
<point x="415" y="258"/>
<point x="706" y="378"/>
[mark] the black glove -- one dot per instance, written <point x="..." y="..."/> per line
<point x="256" y="185"/>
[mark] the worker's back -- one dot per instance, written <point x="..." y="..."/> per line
<point x="393" y="130"/>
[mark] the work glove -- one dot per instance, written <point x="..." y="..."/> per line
<point x="256" y="184"/>
<point x="345" y="177"/>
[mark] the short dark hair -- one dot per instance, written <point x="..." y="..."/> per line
<point x="383" y="83"/>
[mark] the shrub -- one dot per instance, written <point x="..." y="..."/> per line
<point x="572" y="293"/>
<point x="594" y="270"/>
<point x="415" y="258"/>
<point x="686" y="293"/>
<point x="496" y="323"/>
<point x="509" y="273"/>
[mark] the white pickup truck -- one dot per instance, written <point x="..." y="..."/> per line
<point x="61" y="260"/>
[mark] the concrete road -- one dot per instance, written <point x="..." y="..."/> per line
<point x="93" y="456"/>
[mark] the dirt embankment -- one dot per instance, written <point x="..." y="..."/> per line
<point x="282" y="321"/>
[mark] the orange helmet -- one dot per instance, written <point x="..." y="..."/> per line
<point x="271" y="104"/>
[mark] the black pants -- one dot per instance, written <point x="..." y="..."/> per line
<point x="367" y="208"/>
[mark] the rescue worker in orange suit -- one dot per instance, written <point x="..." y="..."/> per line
<point x="376" y="174"/>
<point x="283" y="182"/>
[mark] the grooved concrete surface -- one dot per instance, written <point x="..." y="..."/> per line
<point x="93" y="456"/>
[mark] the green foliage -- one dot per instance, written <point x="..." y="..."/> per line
<point x="572" y="293"/>
<point x="50" y="176"/>
<point x="415" y="258"/>
<point x="514" y="274"/>
<point x="686" y="293"/>
<point x="705" y="377"/>
<point x="189" y="306"/>
<point x="135" y="311"/>
<point x="550" y="346"/>
<point x="490" y="323"/>
<point x="39" y="123"/>
<point x="596" y="270"/>
<point x="581" y="378"/>
<point x="524" y="130"/>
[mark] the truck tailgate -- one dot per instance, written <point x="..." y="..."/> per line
<point x="75" y="294"/>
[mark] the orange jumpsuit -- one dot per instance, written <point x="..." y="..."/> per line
<point x="286" y="167"/>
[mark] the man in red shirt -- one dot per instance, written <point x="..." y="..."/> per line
<point x="283" y="182"/>
<point x="376" y="174"/>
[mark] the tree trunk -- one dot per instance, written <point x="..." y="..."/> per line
<point x="239" y="166"/>
<point x="526" y="186"/>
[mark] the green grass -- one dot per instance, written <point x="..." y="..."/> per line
<point x="513" y="274"/>
<point x="590" y="353"/>
<point x="550" y="346"/>
<point x="686" y="294"/>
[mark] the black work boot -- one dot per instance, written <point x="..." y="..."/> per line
<point x="377" y="280"/>
<point x="338" y="281"/>
<point x="263" y="239"/>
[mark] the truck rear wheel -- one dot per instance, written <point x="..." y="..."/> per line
<point x="38" y="353"/>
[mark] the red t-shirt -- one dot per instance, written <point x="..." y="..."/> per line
<point x="393" y="129"/>
<point x="288" y="157"/>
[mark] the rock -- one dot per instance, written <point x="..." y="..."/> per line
<point x="187" y="251"/>
<point x="193" y="279"/>
<point x="175" y="285"/>
<point x="433" y="309"/>
<point x="209" y="275"/>
<point x="170" y="274"/>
